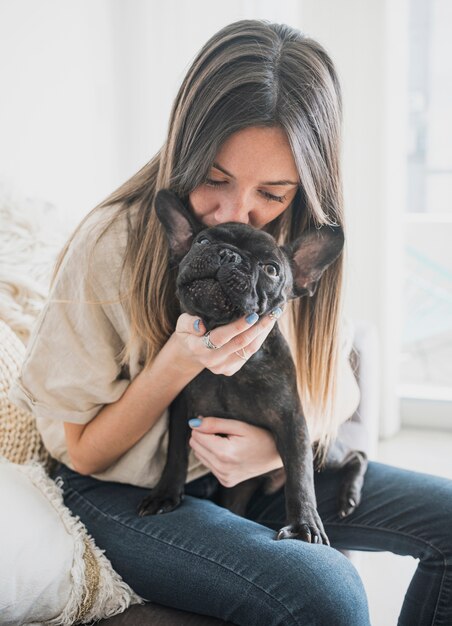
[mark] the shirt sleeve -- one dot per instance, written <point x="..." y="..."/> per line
<point x="72" y="366"/>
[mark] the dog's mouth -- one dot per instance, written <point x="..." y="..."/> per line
<point x="206" y="297"/>
<point x="219" y="287"/>
<point x="221" y="296"/>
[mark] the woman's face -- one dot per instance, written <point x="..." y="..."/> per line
<point x="252" y="181"/>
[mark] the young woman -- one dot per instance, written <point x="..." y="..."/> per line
<point x="254" y="137"/>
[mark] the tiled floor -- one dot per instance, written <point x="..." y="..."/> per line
<point x="386" y="576"/>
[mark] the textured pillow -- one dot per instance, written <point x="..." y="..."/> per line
<point x="51" y="572"/>
<point x="20" y="440"/>
<point x="32" y="232"/>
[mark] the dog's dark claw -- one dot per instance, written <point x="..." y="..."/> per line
<point x="304" y="533"/>
<point x="307" y="527"/>
<point x="347" y="504"/>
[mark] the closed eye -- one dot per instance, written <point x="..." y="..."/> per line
<point x="269" y="196"/>
<point x="265" y="194"/>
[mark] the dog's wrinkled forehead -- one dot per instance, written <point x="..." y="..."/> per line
<point x="255" y="243"/>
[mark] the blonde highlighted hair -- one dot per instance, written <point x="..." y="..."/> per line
<point x="251" y="73"/>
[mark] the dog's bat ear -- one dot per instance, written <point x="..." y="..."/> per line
<point x="310" y="255"/>
<point x="179" y="224"/>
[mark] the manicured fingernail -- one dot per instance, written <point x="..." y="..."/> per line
<point x="252" y="317"/>
<point x="194" y="422"/>
<point x="196" y="325"/>
<point x="276" y="313"/>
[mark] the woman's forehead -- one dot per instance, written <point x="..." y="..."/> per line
<point x="260" y="152"/>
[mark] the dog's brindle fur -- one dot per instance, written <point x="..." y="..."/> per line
<point x="224" y="274"/>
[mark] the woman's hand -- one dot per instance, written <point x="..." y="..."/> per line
<point x="235" y="342"/>
<point x="245" y="452"/>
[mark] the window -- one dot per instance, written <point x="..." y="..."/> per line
<point x="426" y="364"/>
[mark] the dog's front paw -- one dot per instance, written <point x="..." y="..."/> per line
<point x="156" y="503"/>
<point x="309" y="528"/>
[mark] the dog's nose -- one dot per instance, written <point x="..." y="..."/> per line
<point x="229" y="256"/>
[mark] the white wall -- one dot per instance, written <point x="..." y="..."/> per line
<point x="87" y="89"/>
<point x="368" y="41"/>
<point x="58" y="115"/>
<point x="155" y="44"/>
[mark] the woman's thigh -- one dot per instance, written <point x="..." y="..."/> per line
<point x="204" y="559"/>
<point x="401" y="511"/>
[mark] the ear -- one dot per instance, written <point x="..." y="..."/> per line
<point x="179" y="224"/>
<point x="310" y="255"/>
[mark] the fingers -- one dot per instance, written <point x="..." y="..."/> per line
<point x="241" y="333"/>
<point x="242" y="347"/>
<point x="219" y="425"/>
<point x="203" y="440"/>
<point x="235" y="342"/>
<point x="207" y="457"/>
<point x="214" y="456"/>
<point x="210" y="445"/>
<point x="238" y="331"/>
<point x="190" y="324"/>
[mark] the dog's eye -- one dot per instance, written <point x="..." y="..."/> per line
<point x="203" y="241"/>
<point x="271" y="269"/>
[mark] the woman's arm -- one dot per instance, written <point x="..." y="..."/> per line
<point x="93" y="447"/>
<point x="118" y="426"/>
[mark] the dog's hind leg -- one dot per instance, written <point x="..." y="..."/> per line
<point x="353" y="471"/>
<point x="236" y="498"/>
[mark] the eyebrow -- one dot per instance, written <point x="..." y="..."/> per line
<point x="275" y="183"/>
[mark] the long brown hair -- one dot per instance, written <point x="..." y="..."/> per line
<point x="251" y="73"/>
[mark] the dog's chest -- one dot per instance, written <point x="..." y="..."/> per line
<point x="262" y="391"/>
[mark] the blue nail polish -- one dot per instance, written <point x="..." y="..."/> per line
<point x="194" y="422"/>
<point x="253" y="317"/>
<point x="196" y="325"/>
<point x="276" y="313"/>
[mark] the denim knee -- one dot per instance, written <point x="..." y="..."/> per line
<point x="336" y="594"/>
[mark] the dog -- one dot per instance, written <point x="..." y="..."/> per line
<point x="224" y="273"/>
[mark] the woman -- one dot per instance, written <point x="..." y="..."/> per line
<point x="253" y="137"/>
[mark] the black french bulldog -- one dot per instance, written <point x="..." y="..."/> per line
<point x="226" y="272"/>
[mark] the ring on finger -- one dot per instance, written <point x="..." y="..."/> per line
<point x="207" y="342"/>
<point x="244" y="354"/>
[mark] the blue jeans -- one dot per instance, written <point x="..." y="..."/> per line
<point x="204" y="559"/>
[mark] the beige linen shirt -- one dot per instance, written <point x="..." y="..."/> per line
<point x="72" y="366"/>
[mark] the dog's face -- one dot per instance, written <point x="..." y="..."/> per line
<point x="231" y="270"/>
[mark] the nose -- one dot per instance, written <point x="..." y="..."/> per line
<point x="229" y="256"/>
<point x="235" y="208"/>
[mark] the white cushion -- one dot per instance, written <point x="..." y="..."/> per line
<point x="47" y="560"/>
